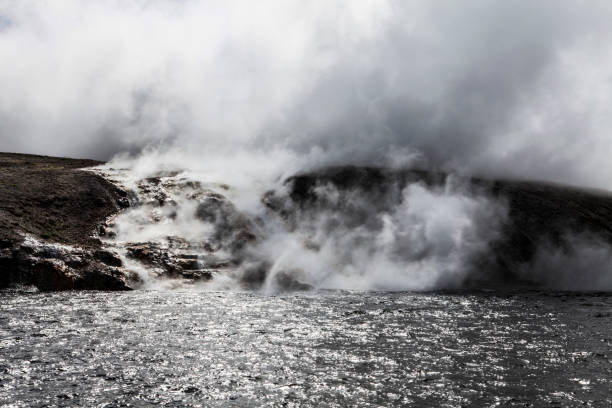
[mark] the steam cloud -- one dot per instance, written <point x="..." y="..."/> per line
<point x="427" y="238"/>
<point x="514" y="89"/>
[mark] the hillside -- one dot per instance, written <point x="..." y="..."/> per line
<point x="538" y="214"/>
<point x="54" y="201"/>
<point x="52" y="213"/>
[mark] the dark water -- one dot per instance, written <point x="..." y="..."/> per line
<point x="176" y="349"/>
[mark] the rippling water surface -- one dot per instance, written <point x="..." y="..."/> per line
<point x="178" y="349"/>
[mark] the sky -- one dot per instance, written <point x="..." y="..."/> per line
<point x="515" y="89"/>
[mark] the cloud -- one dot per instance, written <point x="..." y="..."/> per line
<point x="513" y="89"/>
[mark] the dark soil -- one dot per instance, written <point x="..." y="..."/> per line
<point x="54" y="199"/>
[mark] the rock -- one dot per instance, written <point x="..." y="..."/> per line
<point x="159" y="200"/>
<point x="51" y="212"/>
<point x="99" y="277"/>
<point x="200" y="274"/>
<point x="53" y="198"/>
<point x="51" y="275"/>
<point x="148" y="253"/>
<point x="75" y="261"/>
<point x="253" y="273"/>
<point x="170" y="263"/>
<point x="290" y="281"/>
<point x="107" y="257"/>
<point x="53" y="267"/>
<point x="537" y="213"/>
<point x="233" y="230"/>
<point x="188" y="264"/>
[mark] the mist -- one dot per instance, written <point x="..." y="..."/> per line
<point x="580" y="263"/>
<point x="414" y="238"/>
<point x="519" y="89"/>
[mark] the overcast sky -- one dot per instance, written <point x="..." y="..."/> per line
<point x="515" y="88"/>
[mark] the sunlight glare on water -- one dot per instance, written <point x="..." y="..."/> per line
<point x="334" y="348"/>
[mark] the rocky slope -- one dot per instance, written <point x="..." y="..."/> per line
<point x="50" y="215"/>
<point x="58" y="227"/>
<point x="63" y="226"/>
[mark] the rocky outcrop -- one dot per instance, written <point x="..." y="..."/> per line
<point x="58" y="226"/>
<point x="53" y="267"/>
<point x="194" y="232"/>
<point x="50" y="215"/>
<point x="169" y="262"/>
<point x="233" y="230"/>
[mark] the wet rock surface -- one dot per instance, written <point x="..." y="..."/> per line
<point x="50" y="212"/>
<point x="232" y="229"/>
<point x="53" y="267"/>
<point x="59" y="227"/>
<point x="167" y="262"/>
<point x="178" y="229"/>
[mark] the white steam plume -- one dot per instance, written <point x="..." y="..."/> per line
<point x="431" y="238"/>
<point x="516" y="88"/>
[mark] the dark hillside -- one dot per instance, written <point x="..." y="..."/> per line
<point x="549" y="213"/>
<point x="538" y="213"/>
<point x="52" y="198"/>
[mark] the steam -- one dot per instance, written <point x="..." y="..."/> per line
<point x="430" y="238"/>
<point x="518" y="89"/>
<point x="581" y="263"/>
<point x="400" y="237"/>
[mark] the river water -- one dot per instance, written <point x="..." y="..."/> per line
<point x="328" y="348"/>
